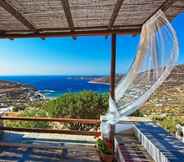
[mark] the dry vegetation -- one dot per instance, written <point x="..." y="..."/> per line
<point x="168" y="99"/>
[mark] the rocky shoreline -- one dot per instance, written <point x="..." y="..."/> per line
<point x="14" y="94"/>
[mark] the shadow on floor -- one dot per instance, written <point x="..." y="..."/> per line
<point x="168" y="145"/>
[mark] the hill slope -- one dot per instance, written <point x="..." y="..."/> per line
<point x="169" y="97"/>
<point x="13" y="94"/>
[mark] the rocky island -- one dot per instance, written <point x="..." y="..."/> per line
<point x="101" y="80"/>
<point x="13" y="94"/>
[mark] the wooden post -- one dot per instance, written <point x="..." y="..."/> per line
<point x="113" y="66"/>
<point x="112" y="81"/>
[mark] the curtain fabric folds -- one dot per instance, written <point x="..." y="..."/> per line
<point x="156" y="57"/>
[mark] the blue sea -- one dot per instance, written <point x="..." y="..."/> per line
<point x="55" y="86"/>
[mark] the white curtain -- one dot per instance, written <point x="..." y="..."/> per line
<point x="156" y="56"/>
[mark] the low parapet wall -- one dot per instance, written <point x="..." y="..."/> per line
<point x="124" y="124"/>
<point x="161" y="146"/>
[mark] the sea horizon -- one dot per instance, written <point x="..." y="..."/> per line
<point x="86" y="75"/>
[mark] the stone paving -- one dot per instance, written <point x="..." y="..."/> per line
<point x="76" y="149"/>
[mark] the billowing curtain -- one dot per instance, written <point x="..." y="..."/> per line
<point x="156" y="57"/>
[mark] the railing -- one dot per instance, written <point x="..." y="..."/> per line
<point x="95" y="122"/>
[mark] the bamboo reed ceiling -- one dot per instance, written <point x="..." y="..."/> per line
<point x="45" y="18"/>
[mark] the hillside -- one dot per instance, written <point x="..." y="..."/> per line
<point x="169" y="98"/>
<point x="14" y="94"/>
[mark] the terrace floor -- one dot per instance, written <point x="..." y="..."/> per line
<point x="39" y="147"/>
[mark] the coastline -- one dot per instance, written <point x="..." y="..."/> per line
<point x="43" y="85"/>
<point x="13" y="94"/>
<point x="96" y="82"/>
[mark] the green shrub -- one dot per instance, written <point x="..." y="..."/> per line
<point x="81" y="105"/>
<point x="102" y="146"/>
<point x="138" y="113"/>
<point x="168" y="122"/>
<point x="85" y="104"/>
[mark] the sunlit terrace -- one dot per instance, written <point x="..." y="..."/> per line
<point x="131" y="139"/>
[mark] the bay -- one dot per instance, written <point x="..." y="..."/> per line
<point x="54" y="86"/>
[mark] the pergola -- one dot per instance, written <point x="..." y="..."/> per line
<point x="58" y="18"/>
<point x="55" y="18"/>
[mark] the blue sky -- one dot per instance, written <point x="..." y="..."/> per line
<point x="88" y="55"/>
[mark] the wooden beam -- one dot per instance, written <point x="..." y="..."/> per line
<point x="4" y="4"/>
<point x="70" y="33"/>
<point x="113" y="65"/>
<point x="68" y="15"/>
<point x="89" y="28"/>
<point x="2" y="32"/>
<point x="44" y="130"/>
<point x="61" y="120"/>
<point x="164" y="6"/>
<point x="167" y="4"/>
<point x="115" y="13"/>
